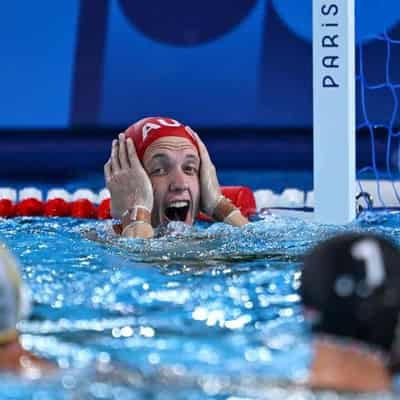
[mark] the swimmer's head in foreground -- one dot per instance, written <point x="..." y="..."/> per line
<point x="351" y="294"/>
<point x="13" y="297"/>
<point x="160" y="171"/>
<point x="15" y="305"/>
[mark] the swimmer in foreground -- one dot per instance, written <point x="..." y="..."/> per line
<point x="351" y="294"/>
<point x="160" y="171"/>
<point x="15" y="305"/>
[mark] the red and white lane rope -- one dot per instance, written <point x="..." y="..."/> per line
<point x="84" y="203"/>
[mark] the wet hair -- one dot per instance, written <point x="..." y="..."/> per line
<point x="351" y="283"/>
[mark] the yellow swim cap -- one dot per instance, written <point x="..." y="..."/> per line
<point x="13" y="296"/>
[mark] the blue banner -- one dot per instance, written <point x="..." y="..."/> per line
<point x="207" y="63"/>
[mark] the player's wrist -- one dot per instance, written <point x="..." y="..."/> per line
<point x="224" y="209"/>
<point x="138" y="229"/>
<point x="138" y="214"/>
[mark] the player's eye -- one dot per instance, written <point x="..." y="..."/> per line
<point x="158" y="171"/>
<point x="190" y="169"/>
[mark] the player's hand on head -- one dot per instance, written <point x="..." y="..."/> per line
<point x="126" y="179"/>
<point x="210" y="190"/>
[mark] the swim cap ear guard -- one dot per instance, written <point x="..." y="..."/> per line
<point x="352" y="282"/>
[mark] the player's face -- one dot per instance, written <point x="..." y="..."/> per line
<point x="172" y="164"/>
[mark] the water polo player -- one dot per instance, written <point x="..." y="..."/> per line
<point x="15" y="305"/>
<point x="160" y="171"/>
<point x="351" y="294"/>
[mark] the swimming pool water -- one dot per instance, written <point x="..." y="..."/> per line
<point x="205" y="312"/>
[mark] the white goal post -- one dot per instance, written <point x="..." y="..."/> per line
<point x="334" y="111"/>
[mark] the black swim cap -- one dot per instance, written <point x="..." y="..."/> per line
<point x="351" y="283"/>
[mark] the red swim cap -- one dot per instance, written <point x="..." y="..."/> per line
<point x="148" y="130"/>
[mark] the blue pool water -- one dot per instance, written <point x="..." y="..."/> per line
<point x="210" y="311"/>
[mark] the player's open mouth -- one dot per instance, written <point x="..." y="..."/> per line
<point x="177" y="210"/>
